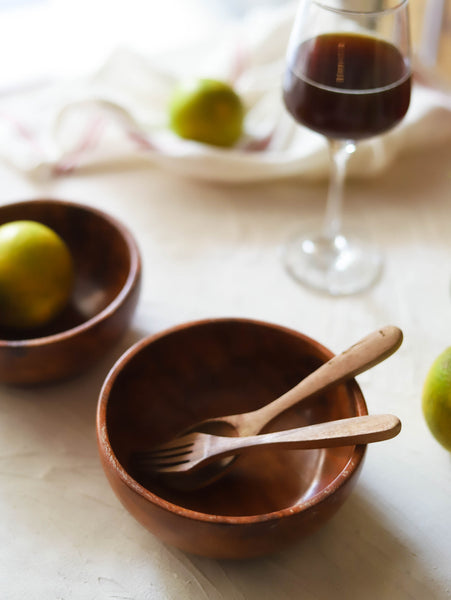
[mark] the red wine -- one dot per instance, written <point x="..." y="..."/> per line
<point x="347" y="86"/>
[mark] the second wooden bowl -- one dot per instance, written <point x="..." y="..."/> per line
<point x="107" y="268"/>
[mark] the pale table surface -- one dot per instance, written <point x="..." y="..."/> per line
<point x="213" y="250"/>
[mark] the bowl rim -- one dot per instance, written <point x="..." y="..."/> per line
<point x="108" y="454"/>
<point x="129" y="284"/>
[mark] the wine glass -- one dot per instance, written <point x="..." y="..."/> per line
<point x="348" y="77"/>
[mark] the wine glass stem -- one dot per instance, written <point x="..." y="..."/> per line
<point x="340" y="151"/>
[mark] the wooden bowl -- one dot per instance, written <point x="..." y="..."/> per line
<point x="107" y="268"/>
<point x="267" y="500"/>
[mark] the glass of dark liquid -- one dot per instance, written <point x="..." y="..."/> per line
<point x="348" y="77"/>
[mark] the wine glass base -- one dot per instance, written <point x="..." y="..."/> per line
<point x="337" y="266"/>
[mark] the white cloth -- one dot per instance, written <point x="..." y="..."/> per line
<point x="119" y="115"/>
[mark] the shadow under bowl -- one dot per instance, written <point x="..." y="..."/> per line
<point x="267" y="500"/>
<point x="107" y="270"/>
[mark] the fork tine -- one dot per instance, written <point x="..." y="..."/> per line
<point x="165" y="457"/>
<point x="174" y="445"/>
<point x="166" y="465"/>
<point x="163" y="452"/>
<point x="159" y="466"/>
<point x="151" y="459"/>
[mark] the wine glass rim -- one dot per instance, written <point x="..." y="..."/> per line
<point x="327" y="4"/>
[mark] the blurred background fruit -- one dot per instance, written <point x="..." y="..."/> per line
<point x="207" y="111"/>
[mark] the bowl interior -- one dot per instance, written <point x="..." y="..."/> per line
<point x="101" y="260"/>
<point x="225" y="367"/>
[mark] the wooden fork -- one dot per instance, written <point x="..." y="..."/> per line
<point x="191" y="451"/>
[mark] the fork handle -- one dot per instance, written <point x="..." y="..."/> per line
<point x="343" y="432"/>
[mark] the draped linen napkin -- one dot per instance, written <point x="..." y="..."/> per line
<point x="118" y="115"/>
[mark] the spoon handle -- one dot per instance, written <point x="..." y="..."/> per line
<point x="366" y="353"/>
<point x="343" y="432"/>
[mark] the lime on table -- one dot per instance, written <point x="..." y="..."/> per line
<point x="436" y="400"/>
<point x="36" y="274"/>
<point x="207" y="111"/>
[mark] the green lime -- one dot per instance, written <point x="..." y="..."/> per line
<point x="436" y="401"/>
<point x="207" y="111"/>
<point x="36" y="274"/>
